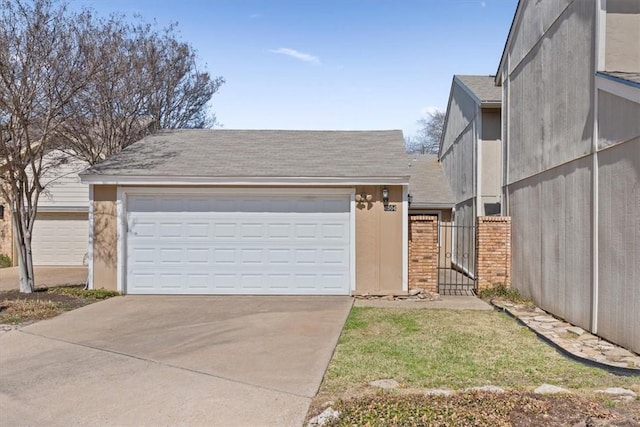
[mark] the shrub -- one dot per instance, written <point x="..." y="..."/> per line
<point x="500" y="290"/>
<point x="5" y="261"/>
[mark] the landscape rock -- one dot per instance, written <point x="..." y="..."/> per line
<point x="618" y="391"/>
<point x="414" y="292"/>
<point x="438" y="392"/>
<point x="385" y="384"/>
<point x="576" y="330"/>
<point x="550" y="389"/>
<point x="488" y="388"/>
<point x="324" y="417"/>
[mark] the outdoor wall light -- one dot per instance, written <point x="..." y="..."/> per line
<point x="385" y="195"/>
<point x="410" y="198"/>
<point x="364" y="197"/>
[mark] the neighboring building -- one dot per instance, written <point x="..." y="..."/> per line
<point x="60" y="232"/>
<point x="470" y="154"/>
<point x="6" y="231"/>
<point x="429" y="192"/>
<point x="570" y="76"/>
<point x="252" y="212"/>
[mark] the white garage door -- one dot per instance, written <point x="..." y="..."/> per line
<point x="260" y="245"/>
<point x="60" y="238"/>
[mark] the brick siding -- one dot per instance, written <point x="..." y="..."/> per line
<point x="423" y="252"/>
<point x="493" y="251"/>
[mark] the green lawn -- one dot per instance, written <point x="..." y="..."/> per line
<point x="427" y="348"/>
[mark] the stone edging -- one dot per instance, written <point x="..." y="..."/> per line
<point x="573" y="341"/>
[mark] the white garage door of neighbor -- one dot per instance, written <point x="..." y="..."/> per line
<point x="256" y="245"/>
<point x="60" y="238"/>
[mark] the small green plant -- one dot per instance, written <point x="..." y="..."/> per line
<point x="500" y="290"/>
<point x="85" y="293"/>
<point x="5" y="261"/>
<point x="14" y="320"/>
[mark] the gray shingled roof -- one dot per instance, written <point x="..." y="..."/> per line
<point x="483" y="87"/>
<point x="260" y="153"/>
<point x="428" y="185"/>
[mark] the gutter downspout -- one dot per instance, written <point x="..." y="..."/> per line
<point x="479" y="204"/>
<point x="599" y="59"/>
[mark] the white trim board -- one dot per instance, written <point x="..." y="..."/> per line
<point x="405" y="238"/>
<point x="163" y="180"/>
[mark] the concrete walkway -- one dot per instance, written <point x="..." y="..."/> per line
<point x="45" y="276"/>
<point x="149" y="361"/>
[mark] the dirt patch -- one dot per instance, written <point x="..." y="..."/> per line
<point x="514" y="408"/>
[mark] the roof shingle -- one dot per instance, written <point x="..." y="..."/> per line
<point x="483" y="87"/>
<point x="428" y="184"/>
<point x="260" y="153"/>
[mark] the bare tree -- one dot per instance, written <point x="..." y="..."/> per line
<point x="42" y="68"/>
<point x="178" y="93"/>
<point x="427" y="139"/>
<point x="152" y="82"/>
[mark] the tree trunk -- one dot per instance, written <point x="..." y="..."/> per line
<point x="25" y="260"/>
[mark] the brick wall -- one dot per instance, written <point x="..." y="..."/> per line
<point x="423" y="252"/>
<point x="493" y="251"/>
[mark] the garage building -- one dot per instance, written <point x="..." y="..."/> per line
<point x="255" y="212"/>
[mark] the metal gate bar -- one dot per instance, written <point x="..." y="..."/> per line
<point x="456" y="259"/>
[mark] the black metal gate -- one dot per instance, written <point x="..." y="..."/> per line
<point x="456" y="259"/>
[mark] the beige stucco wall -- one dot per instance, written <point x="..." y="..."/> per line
<point x="622" y="44"/>
<point x="105" y="237"/>
<point x="379" y="244"/>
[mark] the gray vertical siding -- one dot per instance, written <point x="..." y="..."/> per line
<point x="551" y="94"/>
<point x="551" y="243"/>
<point x="551" y="178"/>
<point x="458" y="148"/>
<point x="619" y="244"/>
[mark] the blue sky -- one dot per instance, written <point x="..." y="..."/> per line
<point x="330" y="64"/>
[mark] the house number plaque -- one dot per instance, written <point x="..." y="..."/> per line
<point x="390" y="208"/>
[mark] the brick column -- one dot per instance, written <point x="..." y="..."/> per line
<point x="423" y="252"/>
<point x="493" y="251"/>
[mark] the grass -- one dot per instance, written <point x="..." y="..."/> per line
<point x="452" y="349"/>
<point x="84" y="293"/>
<point x="17" y="308"/>
<point x="19" y="311"/>
<point x="456" y="350"/>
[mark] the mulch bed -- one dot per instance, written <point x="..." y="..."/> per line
<point x="61" y="302"/>
<point x="515" y="408"/>
<point x="68" y="302"/>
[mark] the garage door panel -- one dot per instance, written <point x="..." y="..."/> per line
<point x="60" y="238"/>
<point x="238" y="245"/>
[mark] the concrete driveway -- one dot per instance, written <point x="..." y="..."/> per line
<point x="45" y="276"/>
<point x="245" y="361"/>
